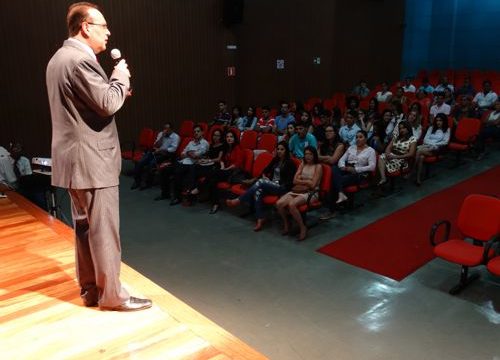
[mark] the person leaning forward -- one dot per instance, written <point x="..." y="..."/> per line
<point x="86" y="157"/>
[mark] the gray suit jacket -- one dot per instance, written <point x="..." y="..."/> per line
<point x="83" y="101"/>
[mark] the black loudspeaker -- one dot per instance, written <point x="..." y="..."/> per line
<point x="233" y="12"/>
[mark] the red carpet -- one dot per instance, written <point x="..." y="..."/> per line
<point x="398" y="244"/>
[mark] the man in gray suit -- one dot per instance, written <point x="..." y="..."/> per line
<point x="86" y="155"/>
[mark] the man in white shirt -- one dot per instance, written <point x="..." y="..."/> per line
<point x="408" y="86"/>
<point x="440" y="106"/>
<point x="194" y="151"/>
<point x="485" y="99"/>
<point x="164" y="149"/>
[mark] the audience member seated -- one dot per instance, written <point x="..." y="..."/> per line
<point x="353" y="167"/>
<point x="301" y="140"/>
<point x="448" y="97"/>
<point x="400" y="150"/>
<point x="305" y="188"/>
<point x="249" y="121"/>
<point x="373" y="107"/>
<point x="315" y="115"/>
<point x="367" y="122"/>
<point x="164" y="150"/>
<point x="423" y="99"/>
<point x="384" y="95"/>
<point x="266" y="122"/>
<point x="378" y="138"/>
<point x="332" y="148"/>
<point x="491" y="129"/>
<point x="426" y="87"/>
<point x="230" y="169"/>
<point x="27" y="184"/>
<point x="222" y="117"/>
<point x="436" y="138"/>
<point x="276" y="179"/>
<point x="400" y="96"/>
<point x="206" y="165"/>
<point x="350" y="129"/>
<point x="440" y="107"/>
<point x="443" y="84"/>
<point x="398" y="116"/>
<point x="352" y="104"/>
<point x="236" y="117"/>
<point x="485" y="99"/>
<point x="361" y="90"/>
<point x="290" y="131"/>
<point x="466" y="88"/>
<point x="415" y="120"/>
<point x="319" y="130"/>
<point x="408" y="86"/>
<point x="464" y="109"/>
<point x="283" y="119"/>
<point x="194" y="151"/>
<point x="7" y="174"/>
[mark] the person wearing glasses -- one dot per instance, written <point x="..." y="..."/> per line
<point x="86" y="157"/>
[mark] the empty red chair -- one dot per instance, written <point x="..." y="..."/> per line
<point x="186" y="129"/>
<point x="249" y="139"/>
<point x="493" y="266"/>
<point x="260" y="163"/>
<point x="268" y="142"/>
<point x="465" y="135"/>
<point x="145" y="142"/>
<point x="478" y="221"/>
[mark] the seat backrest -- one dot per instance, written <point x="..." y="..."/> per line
<point x="479" y="217"/>
<point x="268" y="142"/>
<point x="260" y="163"/>
<point x="326" y="179"/>
<point x="249" y="139"/>
<point x="182" y="145"/>
<point x="247" y="160"/>
<point x="146" y="138"/>
<point x="204" y="128"/>
<point x="186" y="128"/>
<point x="467" y="129"/>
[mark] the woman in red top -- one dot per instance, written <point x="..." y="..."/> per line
<point x="230" y="166"/>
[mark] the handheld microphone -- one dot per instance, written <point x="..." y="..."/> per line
<point x="116" y="55"/>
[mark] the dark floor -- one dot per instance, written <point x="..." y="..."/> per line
<point x="290" y="302"/>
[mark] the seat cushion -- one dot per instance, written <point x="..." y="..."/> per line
<point x="270" y="199"/>
<point x="127" y="155"/>
<point x="351" y="189"/>
<point x="223" y="185"/>
<point x="238" y="189"/>
<point x="460" y="252"/>
<point x="431" y="159"/>
<point x="494" y="266"/>
<point x="457" y="146"/>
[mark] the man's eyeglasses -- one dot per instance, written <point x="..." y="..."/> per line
<point x="105" y="26"/>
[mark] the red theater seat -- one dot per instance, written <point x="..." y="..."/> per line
<point x="479" y="221"/>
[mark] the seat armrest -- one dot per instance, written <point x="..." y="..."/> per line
<point x="435" y="228"/>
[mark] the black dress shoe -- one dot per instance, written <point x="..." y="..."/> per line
<point x="132" y="304"/>
<point x="174" y="202"/>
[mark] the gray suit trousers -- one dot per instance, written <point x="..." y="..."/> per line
<point x="98" y="252"/>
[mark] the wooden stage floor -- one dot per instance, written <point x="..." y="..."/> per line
<point x="42" y="316"/>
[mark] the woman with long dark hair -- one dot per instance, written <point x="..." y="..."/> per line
<point x="230" y="164"/>
<point x="437" y="137"/>
<point x="276" y="179"/>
